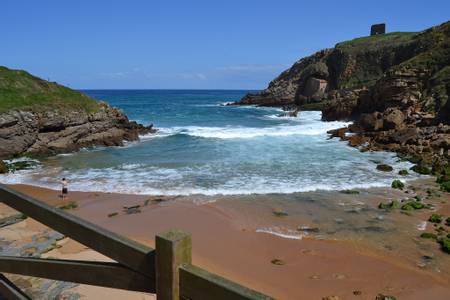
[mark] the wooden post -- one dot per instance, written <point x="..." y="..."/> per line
<point x="173" y="249"/>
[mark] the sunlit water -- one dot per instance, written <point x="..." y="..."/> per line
<point x="204" y="147"/>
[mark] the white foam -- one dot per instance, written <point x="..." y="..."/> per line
<point x="422" y="226"/>
<point x="283" y="233"/>
<point x="230" y="132"/>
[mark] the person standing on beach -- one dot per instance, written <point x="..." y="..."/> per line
<point x="64" y="190"/>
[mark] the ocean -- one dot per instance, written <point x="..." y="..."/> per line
<point x="205" y="147"/>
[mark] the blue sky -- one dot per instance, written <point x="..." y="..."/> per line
<point x="188" y="44"/>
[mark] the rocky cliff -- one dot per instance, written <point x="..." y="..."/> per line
<point x="394" y="86"/>
<point x="40" y="117"/>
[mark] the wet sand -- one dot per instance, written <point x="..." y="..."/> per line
<point x="346" y="248"/>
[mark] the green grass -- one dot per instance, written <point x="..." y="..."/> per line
<point x="21" y="90"/>
<point x="69" y="206"/>
<point x="367" y="42"/>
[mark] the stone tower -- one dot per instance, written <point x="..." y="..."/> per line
<point x="378" y="29"/>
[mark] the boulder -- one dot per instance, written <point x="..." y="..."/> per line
<point x="385" y="168"/>
<point x="393" y="118"/>
<point x="3" y="168"/>
<point x="371" y="122"/>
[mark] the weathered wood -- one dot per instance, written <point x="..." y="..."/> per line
<point x="199" y="284"/>
<point x="106" y="274"/>
<point x="173" y="248"/>
<point x="10" y="291"/>
<point x="125" y="251"/>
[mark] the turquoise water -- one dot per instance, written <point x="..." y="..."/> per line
<point x="204" y="147"/>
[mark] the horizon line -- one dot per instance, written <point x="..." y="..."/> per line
<point x="160" y="89"/>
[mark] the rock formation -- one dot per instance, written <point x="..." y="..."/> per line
<point x="39" y="117"/>
<point x="395" y="87"/>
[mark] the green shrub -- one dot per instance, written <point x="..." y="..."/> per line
<point x="350" y="192"/>
<point x="403" y="172"/>
<point x="445" y="244"/>
<point x="69" y="206"/>
<point x="447" y="221"/>
<point x="435" y="218"/>
<point x="445" y="186"/>
<point x="428" y="235"/>
<point x="413" y="205"/>
<point x="421" y="169"/>
<point x="391" y="205"/>
<point x="397" y="184"/>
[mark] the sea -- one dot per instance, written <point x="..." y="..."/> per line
<point x="205" y="147"/>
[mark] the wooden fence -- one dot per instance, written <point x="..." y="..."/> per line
<point x="166" y="270"/>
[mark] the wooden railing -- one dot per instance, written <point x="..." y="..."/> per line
<point x="166" y="270"/>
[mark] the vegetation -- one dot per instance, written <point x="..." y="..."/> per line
<point x="69" y="206"/>
<point x="428" y="235"/>
<point x="445" y="244"/>
<point x="403" y="172"/>
<point x="421" y="169"/>
<point x="376" y="41"/>
<point x="413" y="205"/>
<point x="21" y="90"/>
<point x="391" y="205"/>
<point x="397" y="184"/>
<point x="350" y="192"/>
<point x="435" y="218"/>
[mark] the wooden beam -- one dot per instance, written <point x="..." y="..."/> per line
<point x="199" y="284"/>
<point x="105" y="274"/>
<point x="173" y="248"/>
<point x="125" y="251"/>
<point x="10" y="291"/>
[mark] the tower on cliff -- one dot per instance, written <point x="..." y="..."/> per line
<point x="378" y="29"/>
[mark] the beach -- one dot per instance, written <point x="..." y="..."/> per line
<point x="290" y="246"/>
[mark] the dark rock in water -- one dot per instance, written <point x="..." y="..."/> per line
<point x="291" y="113"/>
<point x="385" y="168"/>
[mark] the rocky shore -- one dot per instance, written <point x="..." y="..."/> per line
<point x="395" y="87"/>
<point x="38" y="117"/>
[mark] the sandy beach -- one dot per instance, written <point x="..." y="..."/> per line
<point x="327" y="243"/>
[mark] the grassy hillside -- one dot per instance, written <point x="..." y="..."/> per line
<point x="376" y="41"/>
<point x="21" y="90"/>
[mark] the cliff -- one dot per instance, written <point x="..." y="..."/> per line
<point x="40" y="117"/>
<point x="394" y="86"/>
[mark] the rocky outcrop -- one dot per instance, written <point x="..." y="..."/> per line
<point x="41" y="117"/>
<point x="395" y="87"/>
<point x="355" y="64"/>
<point x="55" y="131"/>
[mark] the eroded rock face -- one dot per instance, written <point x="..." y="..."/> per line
<point x="48" y="132"/>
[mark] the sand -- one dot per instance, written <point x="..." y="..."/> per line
<point x="337" y="261"/>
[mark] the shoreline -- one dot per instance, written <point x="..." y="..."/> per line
<point x="226" y="241"/>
